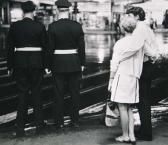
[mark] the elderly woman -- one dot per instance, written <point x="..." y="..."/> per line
<point x="123" y="83"/>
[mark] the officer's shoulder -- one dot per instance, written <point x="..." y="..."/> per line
<point x="75" y="22"/>
<point x="39" y="24"/>
<point x="16" y="22"/>
<point x="60" y="23"/>
<point x="52" y="24"/>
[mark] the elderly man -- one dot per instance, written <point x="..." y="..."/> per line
<point x="66" y="41"/>
<point x="26" y="53"/>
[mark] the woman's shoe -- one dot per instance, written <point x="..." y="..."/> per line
<point x="122" y="139"/>
<point x="133" y="142"/>
<point x="19" y="133"/>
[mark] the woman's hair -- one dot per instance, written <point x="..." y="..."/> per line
<point x="128" y="24"/>
<point x="137" y="11"/>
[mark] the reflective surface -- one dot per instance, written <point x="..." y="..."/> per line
<point x="99" y="47"/>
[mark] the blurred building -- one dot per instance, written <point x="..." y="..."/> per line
<point x="100" y="14"/>
<point x="155" y="9"/>
<point x="92" y="14"/>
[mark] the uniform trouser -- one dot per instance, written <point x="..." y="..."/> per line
<point x="73" y="83"/>
<point x="28" y="81"/>
<point x="144" y="106"/>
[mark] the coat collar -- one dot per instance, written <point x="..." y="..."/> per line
<point x="27" y="18"/>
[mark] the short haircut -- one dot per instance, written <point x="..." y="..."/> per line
<point x="137" y="11"/>
<point x="128" y="24"/>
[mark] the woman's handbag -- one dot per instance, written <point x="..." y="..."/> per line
<point x="111" y="113"/>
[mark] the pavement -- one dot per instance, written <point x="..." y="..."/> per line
<point x="91" y="132"/>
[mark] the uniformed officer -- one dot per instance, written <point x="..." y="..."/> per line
<point x="66" y="40"/>
<point x="26" y="57"/>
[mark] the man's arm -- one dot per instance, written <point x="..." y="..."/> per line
<point x="151" y="48"/>
<point x="81" y="47"/>
<point x="51" y="48"/>
<point x="51" y="41"/>
<point x="45" y="48"/>
<point x="138" y="40"/>
<point x="10" y="48"/>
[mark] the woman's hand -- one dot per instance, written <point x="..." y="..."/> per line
<point x="47" y="71"/>
<point x="110" y="84"/>
<point x="10" y="72"/>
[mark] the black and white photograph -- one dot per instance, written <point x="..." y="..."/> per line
<point x="83" y="72"/>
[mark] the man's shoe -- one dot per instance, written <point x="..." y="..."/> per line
<point x="143" y="137"/>
<point x="40" y="128"/>
<point x="50" y="122"/>
<point x="59" y="126"/>
<point x="19" y="133"/>
<point x="74" y="124"/>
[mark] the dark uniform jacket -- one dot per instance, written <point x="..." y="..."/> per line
<point x="66" y="34"/>
<point x="27" y="33"/>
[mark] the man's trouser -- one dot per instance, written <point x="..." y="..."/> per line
<point x="72" y="80"/>
<point x="28" y="82"/>
<point x="144" y="105"/>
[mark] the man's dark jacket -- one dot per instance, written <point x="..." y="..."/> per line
<point x="27" y="33"/>
<point x="66" y="34"/>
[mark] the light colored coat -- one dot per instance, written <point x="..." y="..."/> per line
<point x="129" y="51"/>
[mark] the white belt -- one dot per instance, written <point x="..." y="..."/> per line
<point x="28" y="49"/>
<point x="68" y="51"/>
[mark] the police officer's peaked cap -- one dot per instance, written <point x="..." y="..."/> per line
<point x="28" y="6"/>
<point x="63" y="4"/>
